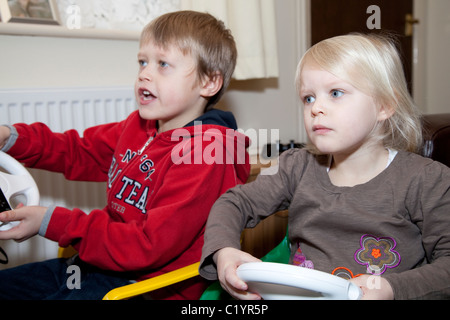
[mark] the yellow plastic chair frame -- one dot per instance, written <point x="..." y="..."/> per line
<point x="164" y="280"/>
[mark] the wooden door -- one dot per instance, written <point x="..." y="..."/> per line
<point x="337" y="17"/>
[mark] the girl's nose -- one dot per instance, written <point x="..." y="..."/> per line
<point x="317" y="109"/>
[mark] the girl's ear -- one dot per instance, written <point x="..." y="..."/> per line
<point x="212" y="84"/>
<point x="386" y="111"/>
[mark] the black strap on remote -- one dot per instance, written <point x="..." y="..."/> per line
<point x="5" y="260"/>
<point x="4" y="206"/>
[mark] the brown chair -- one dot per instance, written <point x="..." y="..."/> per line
<point x="436" y="131"/>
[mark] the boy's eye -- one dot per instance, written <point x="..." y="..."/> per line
<point x="163" y="64"/>
<point x="143" y="63"/>
<point x="337" y="93"/>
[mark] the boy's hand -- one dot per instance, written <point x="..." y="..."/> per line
<point x="227" y="261"/>
<point x="5" y="132"/>
<point x="30" y="221"/>
<point x="382" y="291"/>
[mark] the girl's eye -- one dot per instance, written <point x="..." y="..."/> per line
<point x="163" y="64"/>
<point x="337" y="93"/>
<point x="143" y="63"/>
<point x="309" y="99"/>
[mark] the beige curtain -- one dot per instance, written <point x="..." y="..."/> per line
<point x="252" y="23"/>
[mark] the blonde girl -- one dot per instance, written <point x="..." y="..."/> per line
<point x="361" y="201"/>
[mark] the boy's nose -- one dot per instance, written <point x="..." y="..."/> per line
<point x="145" y="74"/>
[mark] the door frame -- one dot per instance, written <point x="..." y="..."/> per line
<point x="419" y="51"/>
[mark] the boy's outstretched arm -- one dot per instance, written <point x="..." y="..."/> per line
<point x="4" y="135"/>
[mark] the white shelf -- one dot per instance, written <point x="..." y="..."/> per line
<point x="25" y="29"/>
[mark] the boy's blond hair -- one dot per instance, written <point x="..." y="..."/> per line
<point x="371" y="63"/>
<point x="201" y="35"/>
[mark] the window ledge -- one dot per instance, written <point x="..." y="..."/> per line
<point x="24" y="29"/>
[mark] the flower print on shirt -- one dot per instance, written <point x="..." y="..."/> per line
<point x="377" y="254"/>
<point x="301" y="261"/>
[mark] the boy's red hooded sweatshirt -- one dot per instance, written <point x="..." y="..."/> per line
<point x="160" y="189"/>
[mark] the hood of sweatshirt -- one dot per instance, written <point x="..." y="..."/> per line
<point x="216" y="117"/>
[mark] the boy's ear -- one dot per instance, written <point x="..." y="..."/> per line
<point x="212" y="84"/>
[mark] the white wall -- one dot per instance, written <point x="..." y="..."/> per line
<point x="63" y="62"/>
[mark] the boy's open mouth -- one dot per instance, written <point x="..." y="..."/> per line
<point x="146" y="95"/>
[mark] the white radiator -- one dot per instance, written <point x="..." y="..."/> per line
<point x="61" y="109"/>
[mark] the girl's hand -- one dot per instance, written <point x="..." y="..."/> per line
<point x="30" y="221"/>
<point x="374" y="287"/>
<point x="227" y="261"/>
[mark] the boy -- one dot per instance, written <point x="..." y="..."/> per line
<point x="157" y="207"/>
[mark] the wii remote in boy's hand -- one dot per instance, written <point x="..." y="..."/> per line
<point x="4" y="206"/>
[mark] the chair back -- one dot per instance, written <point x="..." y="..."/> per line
<point x="436" y="132"/>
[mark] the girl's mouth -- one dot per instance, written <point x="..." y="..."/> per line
<point x="320" y="129"/>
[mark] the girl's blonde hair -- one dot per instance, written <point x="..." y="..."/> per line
<point x="201" y="35"/>
<point x="372" y="64"/>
